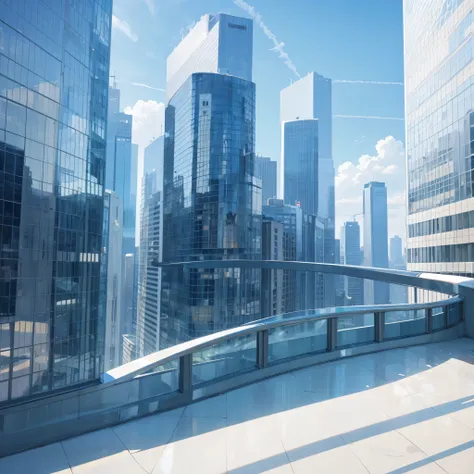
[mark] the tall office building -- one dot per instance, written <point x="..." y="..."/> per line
<point x="396" y="252"/>
<point x="120" y="166"/>
<point x="375" y="239"/>
<point x="212" y="199"/>
<point x="112" y="258"/>
<point x="221" y="44"/>
<point x="153" y="159"/>
<point x="339" y="279"/>
<point x="300" y="152"/>
<point x="439" y="135"/>
<point x="350" y="255"/>
<point x="149" y="279"/>
<point x="272" y="280"/>
<point x="293" y="250"/>
<point x="212" y="207"/>
<point x="53" y="113"/>
<point x="306" y="99"/>
<point x="266" y="170"/>
<point x="313" y="251"/>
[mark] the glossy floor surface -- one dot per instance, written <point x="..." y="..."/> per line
<point x="401" y="411"/>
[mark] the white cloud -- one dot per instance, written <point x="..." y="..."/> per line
<point x="139" y="84"/>
<point x="151" y="6"/>
<point x="278" y="45"/>
<point x="380" y="83"/>
<point x="368" y="117"/>
<point x="387" y="165"/>
<point x="124" y="27"/>
<point x="148" y="121"/>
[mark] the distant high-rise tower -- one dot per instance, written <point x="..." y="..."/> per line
<point x="350" y="255"/>
<point x="375" y="239"/>
<point x="439" y="108"/>
<point x="211" y="197"/>
<point x="306" y="99"/>
<point x="300" y="151"/>
<point x="149" y="286"/>
<point x="266" y="170"/>
<point x="221" y="44"/>
<point x="119" y="166"/>
<point x="113" y="221"/>
<point x="53" y="115"/>
<point x="396" y="252"/>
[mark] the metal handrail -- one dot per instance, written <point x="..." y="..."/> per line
<point x="145" y="364"/>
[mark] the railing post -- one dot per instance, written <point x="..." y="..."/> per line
<point x="332" y="334"/>
<point x="429" y="320"/>
<point x="445" y="316"/>
<point x="186" y="375"/>
<point x="262" y="349"/>
<point x="379" y="326"/>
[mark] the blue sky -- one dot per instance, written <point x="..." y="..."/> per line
<point x="341" y="39"/>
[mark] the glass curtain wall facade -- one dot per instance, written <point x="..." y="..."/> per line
<point x="219" y="43"/>
<point x="266" y="170"/>
<point x="211" y="207"/>
<point x="53" y="115"/>
<point x="439" y="95"/>
<point x="311" y="98"/>
<point x="112" y="272"/>
<point x="350" y="255"/>
<point x="120" y="166"/>
<point x="300" y="139"/>
<point x="375" y="240"/>
<point x="149" y="286"/>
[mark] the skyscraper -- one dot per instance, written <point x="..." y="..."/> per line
<point x="266" y="170"/>
<point x="153" y="159"/>
<point x="305" y="99"/>
<point x="211" y="197"/>
<point x="119" y="166"/>
<point x="293" y="250"/>
<point x="375" y="239"/>
<point x="149" y="275"/>
<point x="53" y="113"/>
<point x="221" y="44"/>
<point x="113" y="221"/>
<point x="272" y="280"/>
<point x="396" y="253"/>
<point x="300" y="151"/>
<point x="350" y="255"/>
<point x="439" y="135"/>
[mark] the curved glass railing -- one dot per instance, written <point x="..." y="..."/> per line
<point x="222" y="361"/>
<point x="276" y="340"/>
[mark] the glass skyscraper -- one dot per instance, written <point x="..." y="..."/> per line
<point x="53" y="115"/>
<point x="311" y="98"/>
<point x="350" y="255"/>
<point x="217" y="43"/>
<point x="266" y="170"/>
<point x="300" y="150"/>
<point x="211" y="207"/>
<point x="375" y="240"/>
<point x="120" y="176"/>
<point x="440" y="135"/>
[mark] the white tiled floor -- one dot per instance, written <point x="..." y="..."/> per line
<point x="401" y="411"/>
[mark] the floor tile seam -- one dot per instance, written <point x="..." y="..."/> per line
<point x="170" y="439"/>
<point x="414" y="444"/>
<point x="458" y="421"/>
<point x="287" y="456"/>
<point x="66" y="456"/>
<point x="127" y="450"/>
<point x="350" y="446"/>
